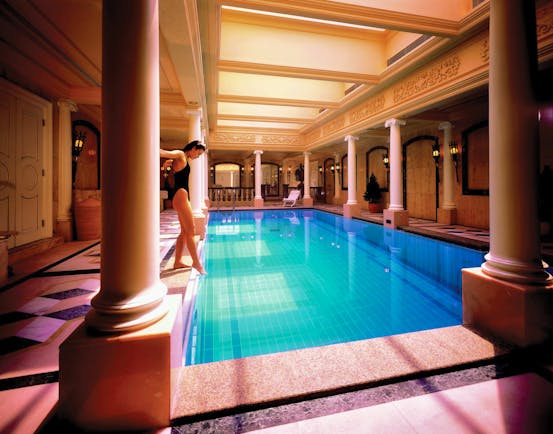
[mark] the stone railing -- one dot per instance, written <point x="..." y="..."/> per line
<point x="231" y="196"/>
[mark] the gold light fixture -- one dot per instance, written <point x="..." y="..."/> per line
<point x="79" y="138"/>
<point x="386" y="160"/>
<point x="454" y="152"/>
<point x="436" y="153"/>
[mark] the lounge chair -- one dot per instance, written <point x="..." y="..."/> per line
<point x="290" y="201"/>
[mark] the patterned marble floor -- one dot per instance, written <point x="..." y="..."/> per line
<point x="47" y="300"/>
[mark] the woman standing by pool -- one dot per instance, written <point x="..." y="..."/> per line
<point x="178" y="160"/>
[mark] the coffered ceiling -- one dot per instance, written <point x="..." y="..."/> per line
<point x="280" y="67"/>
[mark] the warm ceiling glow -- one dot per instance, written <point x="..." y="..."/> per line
<point x="300" y="18"/>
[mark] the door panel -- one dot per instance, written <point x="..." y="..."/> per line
<point x="29" y="173"/>
<point x="7" y="164"/>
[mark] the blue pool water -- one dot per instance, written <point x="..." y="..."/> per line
<point x="280" y="280"/>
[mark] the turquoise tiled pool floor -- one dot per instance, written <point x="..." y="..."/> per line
<point x="276" y="285"/>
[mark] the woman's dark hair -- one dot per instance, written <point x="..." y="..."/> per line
<point x="194" y="144"/>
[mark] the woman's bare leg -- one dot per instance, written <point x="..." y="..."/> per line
<point x="186" y="236"/>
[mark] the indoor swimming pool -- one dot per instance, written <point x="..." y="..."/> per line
<point x="281" y="280"/>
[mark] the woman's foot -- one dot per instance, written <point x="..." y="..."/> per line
<point x="199" y="267"/>
<point x="179" y="265"/>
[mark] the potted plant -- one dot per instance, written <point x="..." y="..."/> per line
<point x="373" y="195"/>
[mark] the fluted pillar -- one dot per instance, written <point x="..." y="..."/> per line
<point x="124" y="345"/>
<point x="447" y="213"/>
<point x="64" y="218"/>
<point x="351" y="207"/>
<point x="511" y="295"/>
<point x="395" y="215"/>
<point x="337" y="185"/>
<point x="258" y="199"/>
<point x="307" y="199"/>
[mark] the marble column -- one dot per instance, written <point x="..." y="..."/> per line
<point x="307" y="199"/>
<point x="258" y="199"/>
<point x="447" y="213"/>
<point x="196" y="173"/>
<point x="64" y="218"/>
<point x="337" y="184"/>
<point x="511" y="295"/>
<point x="351" y="207"/>
<point x="395" y="215"/>
<point x="110" y="357"/>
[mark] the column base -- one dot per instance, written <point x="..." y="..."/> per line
<point x="515" y="313"/>
<point x="394" y="218"/>
<point x="351" y="210"/>
<point x="447" y="216"/>
<point x="64" y="228"/>
<point x="258" y="202"/>
<point x="307" y="201"/>
<point x="121" y="382"/>
<point x="200" y="225"/>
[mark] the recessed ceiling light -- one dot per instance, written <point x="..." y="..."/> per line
<point x="300" y="18"/>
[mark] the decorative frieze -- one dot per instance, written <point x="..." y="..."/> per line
<point x="334" y="125"/>
<point x="280" y="140"/>
<point x="430" y="77"/>
<point x="368" y="108"/>
<point x="234" y="138"/>
<point x="485" y="50"/>
<point x="544" y="18"/>
<point x="313" y="136"/>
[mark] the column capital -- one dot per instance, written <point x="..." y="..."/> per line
<point x="445" y="125"/>
<point x="307" y="153"/>
<point x="194" y="112"/>
<point x="258" y="152"/>
<point x="350" y="137"/>
<point x="394" y="122"/>
<point x="68" y="104"/>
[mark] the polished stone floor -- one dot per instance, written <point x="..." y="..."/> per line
<point x="49" y="293"/>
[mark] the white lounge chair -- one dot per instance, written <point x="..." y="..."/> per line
<point x="290" y="201"/>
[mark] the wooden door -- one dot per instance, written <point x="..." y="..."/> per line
<point x="25" y="191"/>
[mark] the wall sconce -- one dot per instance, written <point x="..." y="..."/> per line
<point x="252" y="168"/>
<point x="332" y="168"/>
<point x="280" y="169"/>
<point x="242" y="169"/>
<point x="320" y="169"/>
<point x="212" y="170"/>
<point x="454" y="152"/>
<point x="386" y="160"/>
<point x="436" y="153"/>
<point x="338" y="167"/>
<point x="79" y="137"/>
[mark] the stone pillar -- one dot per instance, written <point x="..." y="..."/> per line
<point x="196" y="173"/>
<point x="511" y="295"/>
<point x="351" y="207"/>
<point x="337" y="184"/>
<point x="395" y="215"/>
<point x="64" y="218"/>
<point x="205" y="174"/>
<point x="447" y="213"/>
<point x="118" y="362"/>
<point x="307" y="199"/>
<point x="258" y="199"/>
